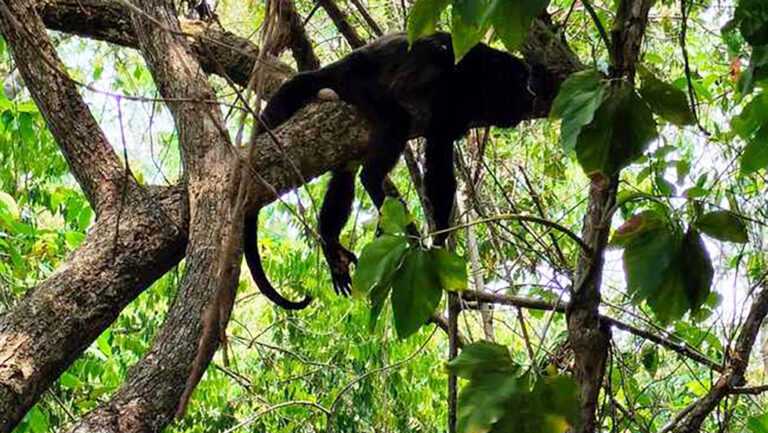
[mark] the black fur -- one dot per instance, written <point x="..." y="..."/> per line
<point x="399" y="90"/>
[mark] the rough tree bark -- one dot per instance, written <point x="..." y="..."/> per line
<point x="588" y="336"/>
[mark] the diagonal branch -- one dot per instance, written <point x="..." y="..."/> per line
<point x="81" y="140"/>
<point x="692" y="417"/>
<point x="216" y="49"/>
<point x="155" y="386"/>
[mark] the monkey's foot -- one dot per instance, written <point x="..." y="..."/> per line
<point x="339" y="259"/>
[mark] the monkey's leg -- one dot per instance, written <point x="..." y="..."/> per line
<point x="337" y="206"/>
<point x="392" y="125"/>
<point x="440" y="182"/>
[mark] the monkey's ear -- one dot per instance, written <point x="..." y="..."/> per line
<point x="327" y="94"/>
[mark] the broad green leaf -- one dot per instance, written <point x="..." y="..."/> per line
<point x="377" y="297"/>
<point x="649" y="356"/>
<point x="497" y="399"/>
<point x="755" y="156"/>
<point x="647" y="259"/>
<point x="667" y="101"/>
<point x="394" y="217"/>
<point x="103" y="343"/>
<point x="485" y="401"/>
<point x="70" y="381"/>
<point x="37" y="421"/>
<point x="512" y="20"/>
<point x="416" y="292"/>
<point x="423" y="17"/>
<point x="723" y="225"/>
<point x="74" y="239"/>
<point x="9" y="204"/>
<point x="481" y="358"/>
<point x="695" y="192"/>
<point x="635" y="226"/>
<point x="758" y="424"/>
<point x="576" y="102"/>
<point x="451" y="269"/>
<point x="752" y="117"/>
<point x="752" y="16"/>
<point x="696" y="269"/>
<point x="377" y="264"/>
<point x="621" y="130"/>
<point x="671" y="273"/>
<point x="469" y="23"/>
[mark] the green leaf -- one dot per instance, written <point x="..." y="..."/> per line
<point x="723" y="225"/>
<point x="512" y="20"/>
<point x="755" y="156"/>
<point x="481" y="358"/>
<point x="377" y="297"/>
<point x="394" y="217"/>
<point x="9" y="204"/>
<point x="103" y="343"/>
<point x="36" y="421"/>
<point x="649" y="355"/>
<point x="576" y="102"/>
<point x="469" y="23"/>
<point x="621" y="130"/>
<point x="70" y="381"/>
<point x="74" y="239"/>
<point x="667" y="101"/>
<point x="415" y="292"/>
<point x="752" y="16"/>
<point x="423" y="17"/>
<point x="497" y="399"/>
<point x="752" y="117"/>
<point x="696" y="269"/>
<point x="671" y="273"/>
<point x="758" y="424"/>
<point x="377" y="264"/>
<point x="635" y="226"/>
<point x="451" y="269"/>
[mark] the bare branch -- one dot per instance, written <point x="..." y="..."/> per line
<point x="216" y="49"/>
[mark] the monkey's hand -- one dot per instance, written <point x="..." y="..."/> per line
<point x="339" y="259"/>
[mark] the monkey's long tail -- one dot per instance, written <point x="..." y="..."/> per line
<point x="253" y="259"/>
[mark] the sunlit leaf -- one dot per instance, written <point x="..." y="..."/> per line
<point x="423" y="17"/>
<point x="576" y="102"/>
<point x="621" y="130"/>
<point x="394" y="217"/>
<point x="451" y="269"/>
<point x="469" y="23"/>
<point x="723" y="225"/>
<point x="416" y="292"/>
<point x="377" y="264"/>
<point x="667" y="101"/>
<point x="512" y="20"/>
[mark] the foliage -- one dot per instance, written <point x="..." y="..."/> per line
<point x="471" y="20"/>
<point x="501" y="398"/>
<point x="688" y="147"/>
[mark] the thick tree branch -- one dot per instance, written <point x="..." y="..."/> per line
<point x="588" y="335"/>
<point x="216" y="49"/>
<point x="736" y="366"/>
<point x="81" y="140"/>
<point x="190" y="335"/>
<point x="339" y="19"/>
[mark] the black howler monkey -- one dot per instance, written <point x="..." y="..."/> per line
<point x="402" y="89"/>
